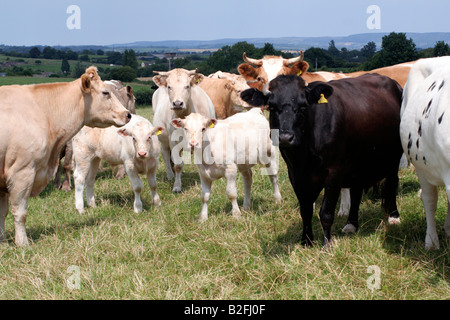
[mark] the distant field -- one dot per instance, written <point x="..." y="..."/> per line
<point x="30" y="80"/>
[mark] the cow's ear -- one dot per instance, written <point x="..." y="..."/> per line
<point x="157" y="131"/>
<point x="196" y="79"/>
<point x="160" y="80"/>
<point x="248" y="71"/>
<point x="177" y="123"/>
<point x="299" y="68"/>
<point x="129" y="91"/>
<point x="123" y="132"/>
<point x="86" y="83"/>
<point x="254" y="98"/>
<point x="318" y="92"/>
<point x="211" y="123"/>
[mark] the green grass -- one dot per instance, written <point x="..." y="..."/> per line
<point x="164" y="253"/>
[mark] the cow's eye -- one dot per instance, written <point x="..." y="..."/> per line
<point x="203" y="130"/>
<point x="169" y="88"/>
<point x="187" y="87"/>
<point x="106" y="93"/>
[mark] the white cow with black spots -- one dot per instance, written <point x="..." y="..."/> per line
<point x="425" y="134"/>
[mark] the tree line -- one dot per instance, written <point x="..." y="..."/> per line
<point x="395" y="48"/>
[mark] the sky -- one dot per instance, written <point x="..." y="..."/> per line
<point x="106" y="22"/>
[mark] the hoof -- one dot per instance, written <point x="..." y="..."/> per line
<point x="342" y="212"/>
<point x="349" y="228"/>
<point x="176" y="190"/>
<point x="392" y="221"/>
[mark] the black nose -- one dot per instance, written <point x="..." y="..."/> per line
<point x="129" y="115"/>
<point x="286" y="139"/>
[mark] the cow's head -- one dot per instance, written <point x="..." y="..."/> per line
<point x="194" y="125"/>
<point x="289" y="102"/>
<point x="178" y="83"/>
<point x="142" y="132"/>
<point x="269" y="67"/>
<point x="102" y="108"/>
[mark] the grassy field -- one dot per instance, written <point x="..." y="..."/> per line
<point x="164" y="253"/>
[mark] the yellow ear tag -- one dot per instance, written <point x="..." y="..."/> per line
<point x="299" y="73"/>
<point x="211" y="125"/>
<point x="158" y="132"/>
<point x="198" y="80"/>
<point x="322" y="99"/>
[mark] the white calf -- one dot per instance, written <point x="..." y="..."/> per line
<point x="134" y="145"/>
<point x="425" y="132"/>
<point x="230" y="145"/>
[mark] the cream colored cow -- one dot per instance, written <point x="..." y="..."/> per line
<point x="178" y="95"/>
<point x="37" y="121"/>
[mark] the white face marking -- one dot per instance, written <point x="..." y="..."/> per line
<point x="272" y="67"/>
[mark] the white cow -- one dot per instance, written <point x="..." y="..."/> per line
<point x="36" y="123"/>
<point x="135" y="145"/>
<point x="228" y="146"/>
<point x="425" y="132"/>
<point x="178" y="95"/>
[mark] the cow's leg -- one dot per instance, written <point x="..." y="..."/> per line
<point x="230" y="176"/>
<point x="206" y="193"/>
<point x="447" y="220"/>
<point x="120" y="171"/>
<point x="4" y="207"/>
<point x="389" y="196"/>
<point x="165" y="151"/>
<point x="272" y="172"/>
<point x="151" y="178"/>
<point x="178" y="171"/>
<point x="247" y="180"/>
<point x="352" y="221"/>
<point x="429" y="198"/>
<point x="67" y="166"/>
<point x="326" y="213"/>
<point x="136" y="183"/>
<point x="19" y="193"/>
<point x="90" y="181"/>
<point x="344" y="207"/>
<point x="79" y="176"/>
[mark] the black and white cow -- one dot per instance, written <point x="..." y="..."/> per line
<point x="425" y="133"/>
<point x="343" y="133"/>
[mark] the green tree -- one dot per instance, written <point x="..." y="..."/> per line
<point x="332" y="50"/>
<point x="369" y="50"/>
<point x="65" y="66"/>
<point x="49" y="53"/>
<point x="129" y="59"/>
<point x="78" y="70"/>
<point x="124" y="74"/>
<point x="395" y="49"/>
<point x="441" y="49"/>
<point x="35" y="52"/>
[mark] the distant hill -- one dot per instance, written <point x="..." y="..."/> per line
<point x="355" y="41"/>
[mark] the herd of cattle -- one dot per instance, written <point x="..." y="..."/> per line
<point x="341" y="133"/>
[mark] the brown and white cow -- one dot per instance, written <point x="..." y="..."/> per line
<point x="37" y="121"/>
<point x="269" y="67"/>
<point x="178" y="95"/>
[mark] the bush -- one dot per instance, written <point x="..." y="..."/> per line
<point x="124" y="74"/>
<point x="143" y="95"/>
